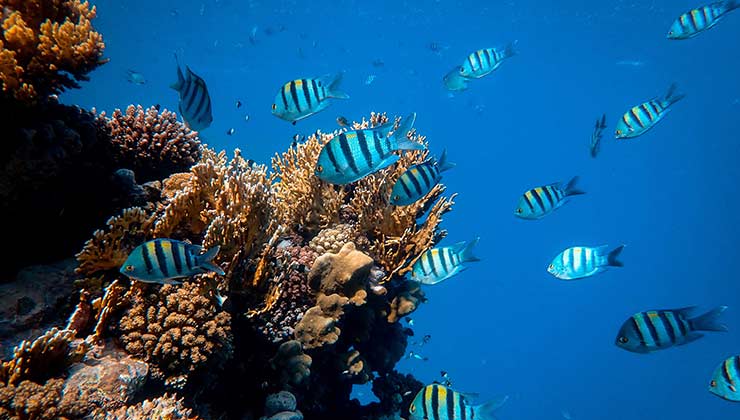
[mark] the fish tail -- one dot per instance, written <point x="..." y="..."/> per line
<point x="401" y="134"/>
<point x="487" y="410"/>
<point x="570" y="188"/>
<point x="671" y="97"/>
<point x="730" y="5"/>
<point x="333" y="90"/>
<point x="466" y="253"/>
<point x="443" y="164"/>
<point x="510" y="49"/>
<point x="709" y="321"/>
<point x="611" y="258"/>
<point x="204" y="261"/>
<point x="180" y="78"/>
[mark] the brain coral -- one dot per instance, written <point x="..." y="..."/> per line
<point x="177" y="330"/>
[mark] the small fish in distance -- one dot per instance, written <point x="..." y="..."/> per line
<point x="165" y="260"/>
<point x="133" y="76"/>
<point x="597" y="135"/>
<point x="195" y="102"/>
<point x="342" y="121"/>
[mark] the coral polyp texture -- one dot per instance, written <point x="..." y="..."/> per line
<point x="47" y="46"/>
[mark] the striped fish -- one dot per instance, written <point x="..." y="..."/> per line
<point x="353" y="155"/>
<point x="454" y="81"/>
<point x="302" y="98"/>
<point x="659" y="329"/>
<point x="695" y="21"/>
<point x="195" y="103"/>
<point x="725" y="381"/>
<point x="439" y="264"/>
<point x="641" y="118"/>
<point x="418" y="180"/>
<point x="482" y="62"/>
<point x="437" y="402"/>
<point x="540" y="201"/>
<point x="582" y="261"/>
<point x="164" y="260"/>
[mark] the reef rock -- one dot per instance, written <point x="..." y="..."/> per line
<point x="318" y="327"/>
<point x="345" y="273"/>
<point x="294" y="365"/>
<point x="281" y="406"/>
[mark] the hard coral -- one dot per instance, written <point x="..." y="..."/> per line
<point x="345" y="273"/>
<point x="293" y="365"/>
<point x="46" y="47"/>
<point x="318" y="327"/>
<point x="166" y="407"/>
<point x="153" y="144"/>
<point x="176" y="330"/>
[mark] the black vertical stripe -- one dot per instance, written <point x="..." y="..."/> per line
<point x="435" y="402"/>
<point x="333" y="159"/>
<point x="189" y="257"/>
<point x="477" y="58"/>
<point x="147" y="259"/>
<point x="450" y="405"/>
<point x="647" y="112"/>
<point x="549" y="196"/>
<point x="443" y="259"/>
<point x="488" y="57"/>
<point x="637" y="329"/>
<point x="306" y="93"/>
<point x="736" y="365"/>
<point x="423" y="173"/>
<point x="347" y="152"/>
<point x="529" y="203"/>
<point x="424" y="403"/>
<point x="402" y="181"/>
<point x="430" y="261"/>
<point x="539" y="200"/>
<point x="388" y="147"/>
<point x="364" y="147"/>
<point x="651" y="328"/>
<point x="668" y="327"/>
<point x="190" y="98"/>
<point x="656" y="108"/>
<point x="378" y="146"/>
<point x="294" y="95"/>
<point x="463" y="414"/>
<point x="415" y="181"/>
<point x="204" y="101"/>
<point x="161" y="259"/>
<point x="315" y="90"/>
<point x="176" y="257"/>
<point x="681" y="324"/>
<point x="470" y="60"/>
<point x="285" y="99"/>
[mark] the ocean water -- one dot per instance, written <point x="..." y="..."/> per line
<point x="504" y="326"/>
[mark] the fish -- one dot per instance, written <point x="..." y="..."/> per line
<point x="195" y="103"/>
<point x="342" y="121"/>
<point x="220" y="299"/>
<point x="653" y="330"/>
<point x="418" y="180"/>
<point x="725" y="381"/>
<point x="696" y="21"/>
<point x="253" y="35"/>
<point x="540" y="201"/>
<point x="133" y="76"/>
<point x="482" y="62"/>
<point x="630" y="63"/>
<point x="301" y="98"/>
<point x="238" y="104"/>
<point x="439" y="264"/>
<point x="230" y="131"/>
<point x="413" y="355"/>
<point x="641" y="118"/>
<point x="597" y="135"/>
<point x="246" y="118"/>
<point x="439" y="402"/>
<point x="370" y="79"/>
<point x="410" y="321"/>
<point x="454" y="81"/>
<point x="582" y="261"/>
<point x="354" y="154"/>
<point x="165" y="260"/>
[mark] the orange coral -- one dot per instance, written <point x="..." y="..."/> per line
<point x="46" y="47"/>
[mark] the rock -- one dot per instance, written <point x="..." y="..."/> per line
<point x="282" y="401"/>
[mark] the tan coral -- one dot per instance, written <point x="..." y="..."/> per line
<point x="166" y="407"/>
<point x="30" y="400"/>
<point x="176" y="330"/>
<point x="345" y="272"/>
<point x="333" y="238"/>
<point x="318" y="327"/>
<point x="46" y="47"/>
<point x="406" y="301"/>
<point x="293" y="365"/>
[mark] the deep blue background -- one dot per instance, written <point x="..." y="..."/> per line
<point x="505" y="326"/>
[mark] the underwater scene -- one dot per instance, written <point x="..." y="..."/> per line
<point x="418" y="210"/>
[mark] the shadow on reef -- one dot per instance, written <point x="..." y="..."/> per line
<point x="314" y="282"/>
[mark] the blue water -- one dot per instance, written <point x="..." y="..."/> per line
<point x="505" y="326"/>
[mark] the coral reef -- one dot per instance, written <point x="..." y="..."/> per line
<point x="293" y="365"/>
<point x="151" y="143"/>
<point x="318" y="327"/>
<point x="345" y="272"/>
<point x="281" y="406"/>
<point x="177" y="330"/>
<point x="166" y="407"/>
<point x="46" y="47"/>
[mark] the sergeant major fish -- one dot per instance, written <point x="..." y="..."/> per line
<point x="439" y="264"/>
<point x="582" y="261"/>
<point x="301" y="98"/>
<point x="695" y="21"/>
<point x="195" y="103"/>
<point x="438" y="402"/>
<point x="540" y="201"/>
<point x="418" y="180"/>
<point x="133" y="76"/>
<point x="354" y="154"/>
<point x="725" y="381"/>
<point x="164" y="260"/>
<point x="641" y="118"/>
<point x="654" y="330"/>
<point x="482" y="62"/>
<point x="454" y="81"/>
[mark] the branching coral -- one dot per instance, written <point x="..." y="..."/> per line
<point x="177" y="330"/>
<point x="153" y="144"/>
<point x="46" y="47"/>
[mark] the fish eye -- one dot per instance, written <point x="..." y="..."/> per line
<point x="274" y="107"/>
<point x="396" y="197"/>
<point x="551" y="267"/>
<point x="623" y="340"/>
<point x="319" y="168"/>
<point x="129" y="268"/>
<point x="618" y="132"/>
<point x="519" y="210"/>
<point x="713" y="384"/>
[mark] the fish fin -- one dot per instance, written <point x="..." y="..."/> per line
<point x="487" y="411"/>
<point x="470" y="396"/>
<point x="510" y="49"/>
<point x="671" y="97"/>
<point x="443" y="164"/>
<point x="403" y="129"/>
<point x="204" y="261"/>
<point x="171" y="281"/>
<point x="730" y="5"/>
<point x="570" y="188"/>
<point x="693" y="336"/>
<point x="611" y="258"/>
<point x="180" y="78"/>
<point x="709" y="321"/>
<point x="332" y="86"/>
<point x="685" y="311"/>
<point x="466" y="252"/>
<point x="390" y="160"/>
